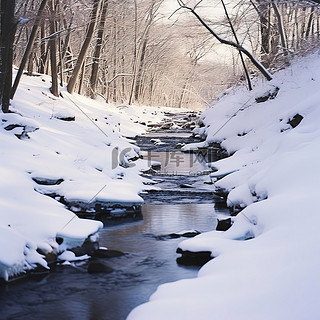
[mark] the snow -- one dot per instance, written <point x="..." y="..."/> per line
<point x="266" y="266"/>
<point x="70" y="256"/>
<point x="86" y="159"/>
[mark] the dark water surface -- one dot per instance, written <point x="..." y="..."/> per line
<point x="69" y="292"/>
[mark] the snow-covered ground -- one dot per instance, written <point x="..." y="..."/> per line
<point x="85" y="159"/>
<point x="267" y="265"/>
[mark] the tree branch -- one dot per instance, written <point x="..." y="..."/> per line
<point x="257" y="64"/>
<point x="237" y="41"/>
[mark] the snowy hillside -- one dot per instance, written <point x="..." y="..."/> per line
<point x="266" y="266"/>
<point x="71" y="148"/>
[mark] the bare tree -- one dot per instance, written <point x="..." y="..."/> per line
<point x="141" y="51"/>
<point x="280" y="27"/>
<point x="7" y="32"/>
<point x="28" y="50"/>
<point x="238" y="43"/>
<point x="85" y="46"/>
<point x="263" y="10"/>
<point x="255" y="62"/>
<point x="53" y="50"/>
<point x="97" y="52"/>
<point x="43" y="47"/>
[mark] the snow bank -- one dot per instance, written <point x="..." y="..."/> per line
<point x="71" y="147"/>
<point x="267" y="264"/>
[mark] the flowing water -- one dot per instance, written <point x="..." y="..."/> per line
<point x="70" y="292"/>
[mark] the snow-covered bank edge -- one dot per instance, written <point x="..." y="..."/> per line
<point x="71" y="148"/>
<point x="266" y="265"/>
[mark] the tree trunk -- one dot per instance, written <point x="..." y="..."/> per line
<point x="67" y="39"/>
<point x="29" y="47"/>
<point x="135" y="52"/>
<point x="264" y="17"/>
<point x="43" y="48"/>
<point x="30" y="64"/>
<point x="237" y="41"/>
<point x="138" y="80"/>
<point x="7" y="29"/>
<point x="310" y="22"/>
<point x="53" y="51"/>
<point x="81" y="77"/>
<point x="280" y="27"/>
<point x="115" y="54"/>
<point x="265" y="29"/>
<point x="140" y="69"/>
<point x="97" y="52"/>
<point x="303" y="17"/>
<point x="85" y="46"/>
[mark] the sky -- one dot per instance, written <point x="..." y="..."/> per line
<point x="209" y="10"/>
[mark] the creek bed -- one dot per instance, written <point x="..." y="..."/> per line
<point x="70" y="292"/>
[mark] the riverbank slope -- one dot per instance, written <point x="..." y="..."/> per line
<point x="266" y="266"/>
<point x="62" y="152"/>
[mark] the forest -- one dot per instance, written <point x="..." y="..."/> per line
<point x="158" y="159"/>
<point x="143" y="52"/>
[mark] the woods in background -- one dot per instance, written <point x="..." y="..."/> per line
<point x="129" y="52"/>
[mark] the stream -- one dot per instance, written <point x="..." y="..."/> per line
<point x="185" y="202"/>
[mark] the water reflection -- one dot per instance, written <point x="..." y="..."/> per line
<point x="159" y="220"/>
<point x="72" y="293"/>
<point x="169" y="134"/>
